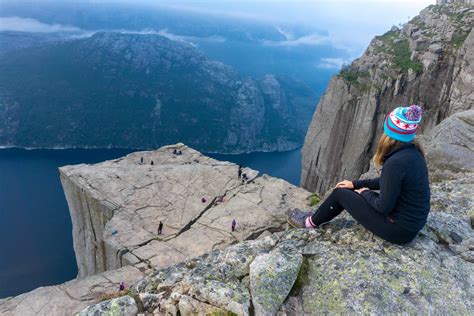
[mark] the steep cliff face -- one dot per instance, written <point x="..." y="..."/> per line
<point x="429" y="61"/>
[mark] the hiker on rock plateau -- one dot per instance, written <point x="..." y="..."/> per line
<point x="160" y="228"/>
<point x="400" y="210"/>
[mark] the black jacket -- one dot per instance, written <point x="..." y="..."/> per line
<point x="404" y="188"/>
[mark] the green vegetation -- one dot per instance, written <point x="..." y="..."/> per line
<point x="458" y="39"/>
<point x="220" y="312"/>
<point x="302" y="277"/>
<point x="112" y="295"/>
<point x="418" y="22"/>
<point x="352" y="76"/>
<point x="441" y="9"/>
<point x="388" y="37"/>
<point x="401" y="57"/>
<point x="399" y="48"/>
<point x="314" y="199"/>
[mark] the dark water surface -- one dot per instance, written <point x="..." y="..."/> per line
<point x="35" y="227"/>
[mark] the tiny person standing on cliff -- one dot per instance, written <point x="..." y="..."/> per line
<point x="160" y="228"/>
<point x="399" y="211"/>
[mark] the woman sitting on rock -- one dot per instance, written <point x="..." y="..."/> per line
<point x="399" y="211"/>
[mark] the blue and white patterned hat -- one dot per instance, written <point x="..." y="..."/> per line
<point x="401" y="124"/>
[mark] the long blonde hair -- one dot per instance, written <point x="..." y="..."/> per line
<point x="386" y="145"/>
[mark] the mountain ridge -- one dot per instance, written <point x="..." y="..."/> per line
<point x="144" y="91"/>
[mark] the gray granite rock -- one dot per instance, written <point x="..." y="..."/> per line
<point x="450" y="146"/>
<point x="123" y="306"/>
<point x="346" y="270"/>
<point x="116" y="207"/>
<point x="70" y="297"/>
<point x="272" y="277"/>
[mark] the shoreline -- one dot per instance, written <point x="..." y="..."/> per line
<point x="59" y="148"/>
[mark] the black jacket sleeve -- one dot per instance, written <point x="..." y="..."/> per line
<point x="390" y="187"/>
<point x="373" y="184"/>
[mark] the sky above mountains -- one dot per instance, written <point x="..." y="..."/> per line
<point x="348" y="24"/>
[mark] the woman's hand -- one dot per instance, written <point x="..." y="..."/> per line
<point x="361" y="190"/>
<point x="345" y="184"/>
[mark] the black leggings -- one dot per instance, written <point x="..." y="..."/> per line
<point x="364" y="213"/>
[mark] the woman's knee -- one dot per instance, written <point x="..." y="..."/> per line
<point x="341" y="192"/>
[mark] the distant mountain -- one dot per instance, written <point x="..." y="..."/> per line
<point x="11" y="41"/>
<point x="143" y="91"/>
<point x="126" y="16"/>
<point x="253" y="47"/>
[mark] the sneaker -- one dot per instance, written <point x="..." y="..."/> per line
<point x="296" y="217"/>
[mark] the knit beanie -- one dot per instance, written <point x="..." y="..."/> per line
<point x="401" y="124"/>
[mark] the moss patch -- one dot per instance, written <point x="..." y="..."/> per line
<point x="399" y="48"/>
<point x="301" y="279"/>
<point x="109" y="296"/>
<point x="401" y="57"/>
<point x="314" y="199"/>
<point x="458" y="39"/>
<point x="222" y="313"/>
<point x="352" y="76"/>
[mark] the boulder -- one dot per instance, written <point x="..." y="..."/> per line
<point x="450" y="146"/>
<point x="124" y="305"/>
<point x="271" y="279"/>
<point x="436" y="48"/>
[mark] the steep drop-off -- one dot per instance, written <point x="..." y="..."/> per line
<point x="429" y="61"/>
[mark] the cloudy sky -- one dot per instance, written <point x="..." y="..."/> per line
<point x="347" y="24"/>
<point x="351" y="23"/>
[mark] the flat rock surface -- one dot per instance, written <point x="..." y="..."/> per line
<point x="70" y="297"/>
<point x="196" y="198"/>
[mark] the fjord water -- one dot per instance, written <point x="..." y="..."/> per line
<point x="35" y="227"/>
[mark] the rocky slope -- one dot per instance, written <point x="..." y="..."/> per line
<point x="429" y="61"/>
<point x="143" y="91"/>
<point x="340" y="268"/>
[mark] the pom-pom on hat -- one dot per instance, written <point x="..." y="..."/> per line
<point x="401" y="124"/>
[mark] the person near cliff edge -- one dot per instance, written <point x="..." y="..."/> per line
<point x="400" y="210"/>
<point x="160" y="228"/>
